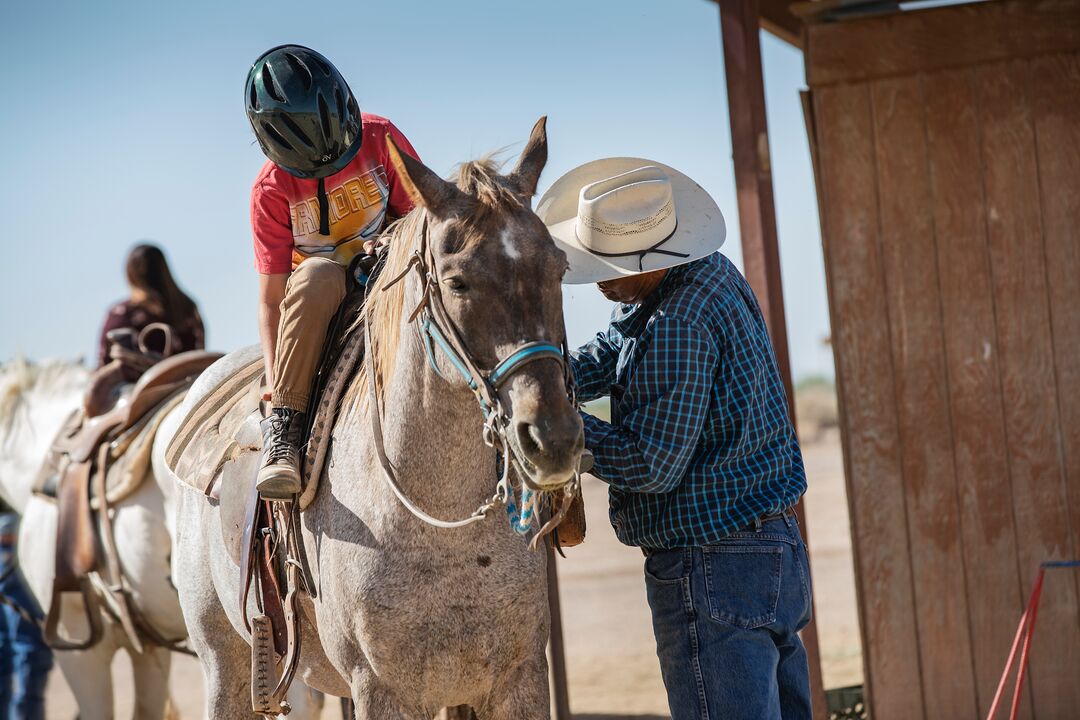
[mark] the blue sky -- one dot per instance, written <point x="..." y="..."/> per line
<point x="123" y="121"/>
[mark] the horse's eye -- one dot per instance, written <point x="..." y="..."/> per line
<point x="456" y="284"/>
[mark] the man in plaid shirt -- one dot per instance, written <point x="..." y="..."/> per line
<point x="700" y="455"/>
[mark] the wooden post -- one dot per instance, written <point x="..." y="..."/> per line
<point x="560" y="699"/>
<point x="740" y="28"/>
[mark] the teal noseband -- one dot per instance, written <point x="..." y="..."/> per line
<point x="524" y="355"/>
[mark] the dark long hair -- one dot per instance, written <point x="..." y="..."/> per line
<point x="148" y="271"/>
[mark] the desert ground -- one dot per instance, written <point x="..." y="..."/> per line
<point x="611" y="658"/>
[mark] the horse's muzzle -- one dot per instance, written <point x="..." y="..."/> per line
<point x="551" y="447"/>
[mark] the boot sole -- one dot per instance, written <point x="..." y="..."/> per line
<point x="278" y="488"/>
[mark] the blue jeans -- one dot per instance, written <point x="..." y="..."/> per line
<point x="25" y="660"/>
<point x="726" y="619"/>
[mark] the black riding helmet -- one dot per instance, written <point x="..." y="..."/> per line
<point x="304" y="115"/>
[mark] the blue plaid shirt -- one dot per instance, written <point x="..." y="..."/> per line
<point x="700" y="444"/>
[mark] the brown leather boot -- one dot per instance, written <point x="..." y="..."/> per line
<point x="279" y="476"/>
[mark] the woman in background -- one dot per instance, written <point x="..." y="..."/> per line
<point x="155" y="298"/>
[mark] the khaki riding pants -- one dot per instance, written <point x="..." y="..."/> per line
<point x="312" y="296"/>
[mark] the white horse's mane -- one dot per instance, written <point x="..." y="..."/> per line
<point x="21" y="377"/>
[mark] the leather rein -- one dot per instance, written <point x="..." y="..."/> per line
<point x="435" y="328"/>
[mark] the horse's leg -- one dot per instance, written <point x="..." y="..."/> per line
<point x="151" y="676"/>
<point x="373" y="702"/>
<point x="307" y="703"/>
<point x="223" y="654"/>
<point x="89" y="675"/>
<point x="228" y="688"/>
<point x="225" y="657"/>
<point x="522" y="692"/>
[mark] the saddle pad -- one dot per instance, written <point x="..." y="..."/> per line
<point x="207" y="436"/>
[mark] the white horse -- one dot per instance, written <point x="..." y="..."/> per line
<point x="35" y="399"/>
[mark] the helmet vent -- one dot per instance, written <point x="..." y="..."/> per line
<point x="296" y="131"/>
<point x="340" y="102"/>
<point x="270" y="84"/>
<point x="254" y="98"/>
<point x="324" y="118"/>
<point x="300" y="69"/>
<point x="274" y="135"/>
<point x="322" y="65"/>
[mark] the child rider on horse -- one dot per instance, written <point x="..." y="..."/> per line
<point x="326" y="193"/>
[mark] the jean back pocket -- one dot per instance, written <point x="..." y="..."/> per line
<point x="742" y="582"/>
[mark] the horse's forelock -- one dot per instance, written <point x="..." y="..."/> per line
<point x="481" y="180"/>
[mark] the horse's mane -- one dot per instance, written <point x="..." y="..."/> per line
<point x="480" y="179"/>
<point x="20" y="378"/>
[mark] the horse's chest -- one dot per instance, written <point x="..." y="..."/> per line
<point x="447" y="617"/>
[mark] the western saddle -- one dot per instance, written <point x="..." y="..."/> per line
<point x="123" y="399"/>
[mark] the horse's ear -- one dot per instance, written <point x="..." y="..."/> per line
<point x="526" y="175"/>
<point x="424" y="186"/>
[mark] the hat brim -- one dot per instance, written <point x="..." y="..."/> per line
<point x="701" y="230"/>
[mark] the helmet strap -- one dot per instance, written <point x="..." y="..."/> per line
<point x="324" y="209"/>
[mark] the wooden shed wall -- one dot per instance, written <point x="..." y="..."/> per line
<point x="947" y="148"/>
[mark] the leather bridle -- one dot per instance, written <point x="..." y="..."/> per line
<point x="436" y="329"/>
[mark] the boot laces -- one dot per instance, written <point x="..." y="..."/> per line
<point x="281" y="450"/>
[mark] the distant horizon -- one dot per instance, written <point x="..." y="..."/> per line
<point x="154" y="145"/>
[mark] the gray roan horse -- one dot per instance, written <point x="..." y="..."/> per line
<point x="409" y="617"/>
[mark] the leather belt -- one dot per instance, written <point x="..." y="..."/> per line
<point x="755" y="526"/>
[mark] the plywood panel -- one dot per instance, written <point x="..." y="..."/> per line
<point x="924" y="40"/>
<point x="1055" y="93"/>
<point x="1017" y="256"/>
<point x="909" y="255"/>
<point x="868" y="408"/>
<point x="958" y="211"/>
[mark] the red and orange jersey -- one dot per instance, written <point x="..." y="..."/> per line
<point x="285" y="208"/>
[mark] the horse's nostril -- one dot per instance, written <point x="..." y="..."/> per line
<point x="529" y="438"/>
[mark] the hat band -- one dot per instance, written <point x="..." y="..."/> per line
<point x="642" y="253"/>
<point x="632" y="228"/>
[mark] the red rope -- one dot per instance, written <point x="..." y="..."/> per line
<point x="1024" y="633"/>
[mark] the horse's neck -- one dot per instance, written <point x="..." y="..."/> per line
<point x="433" y="434"/>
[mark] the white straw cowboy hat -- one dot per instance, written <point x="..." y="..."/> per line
<point x="623" y="216"/>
